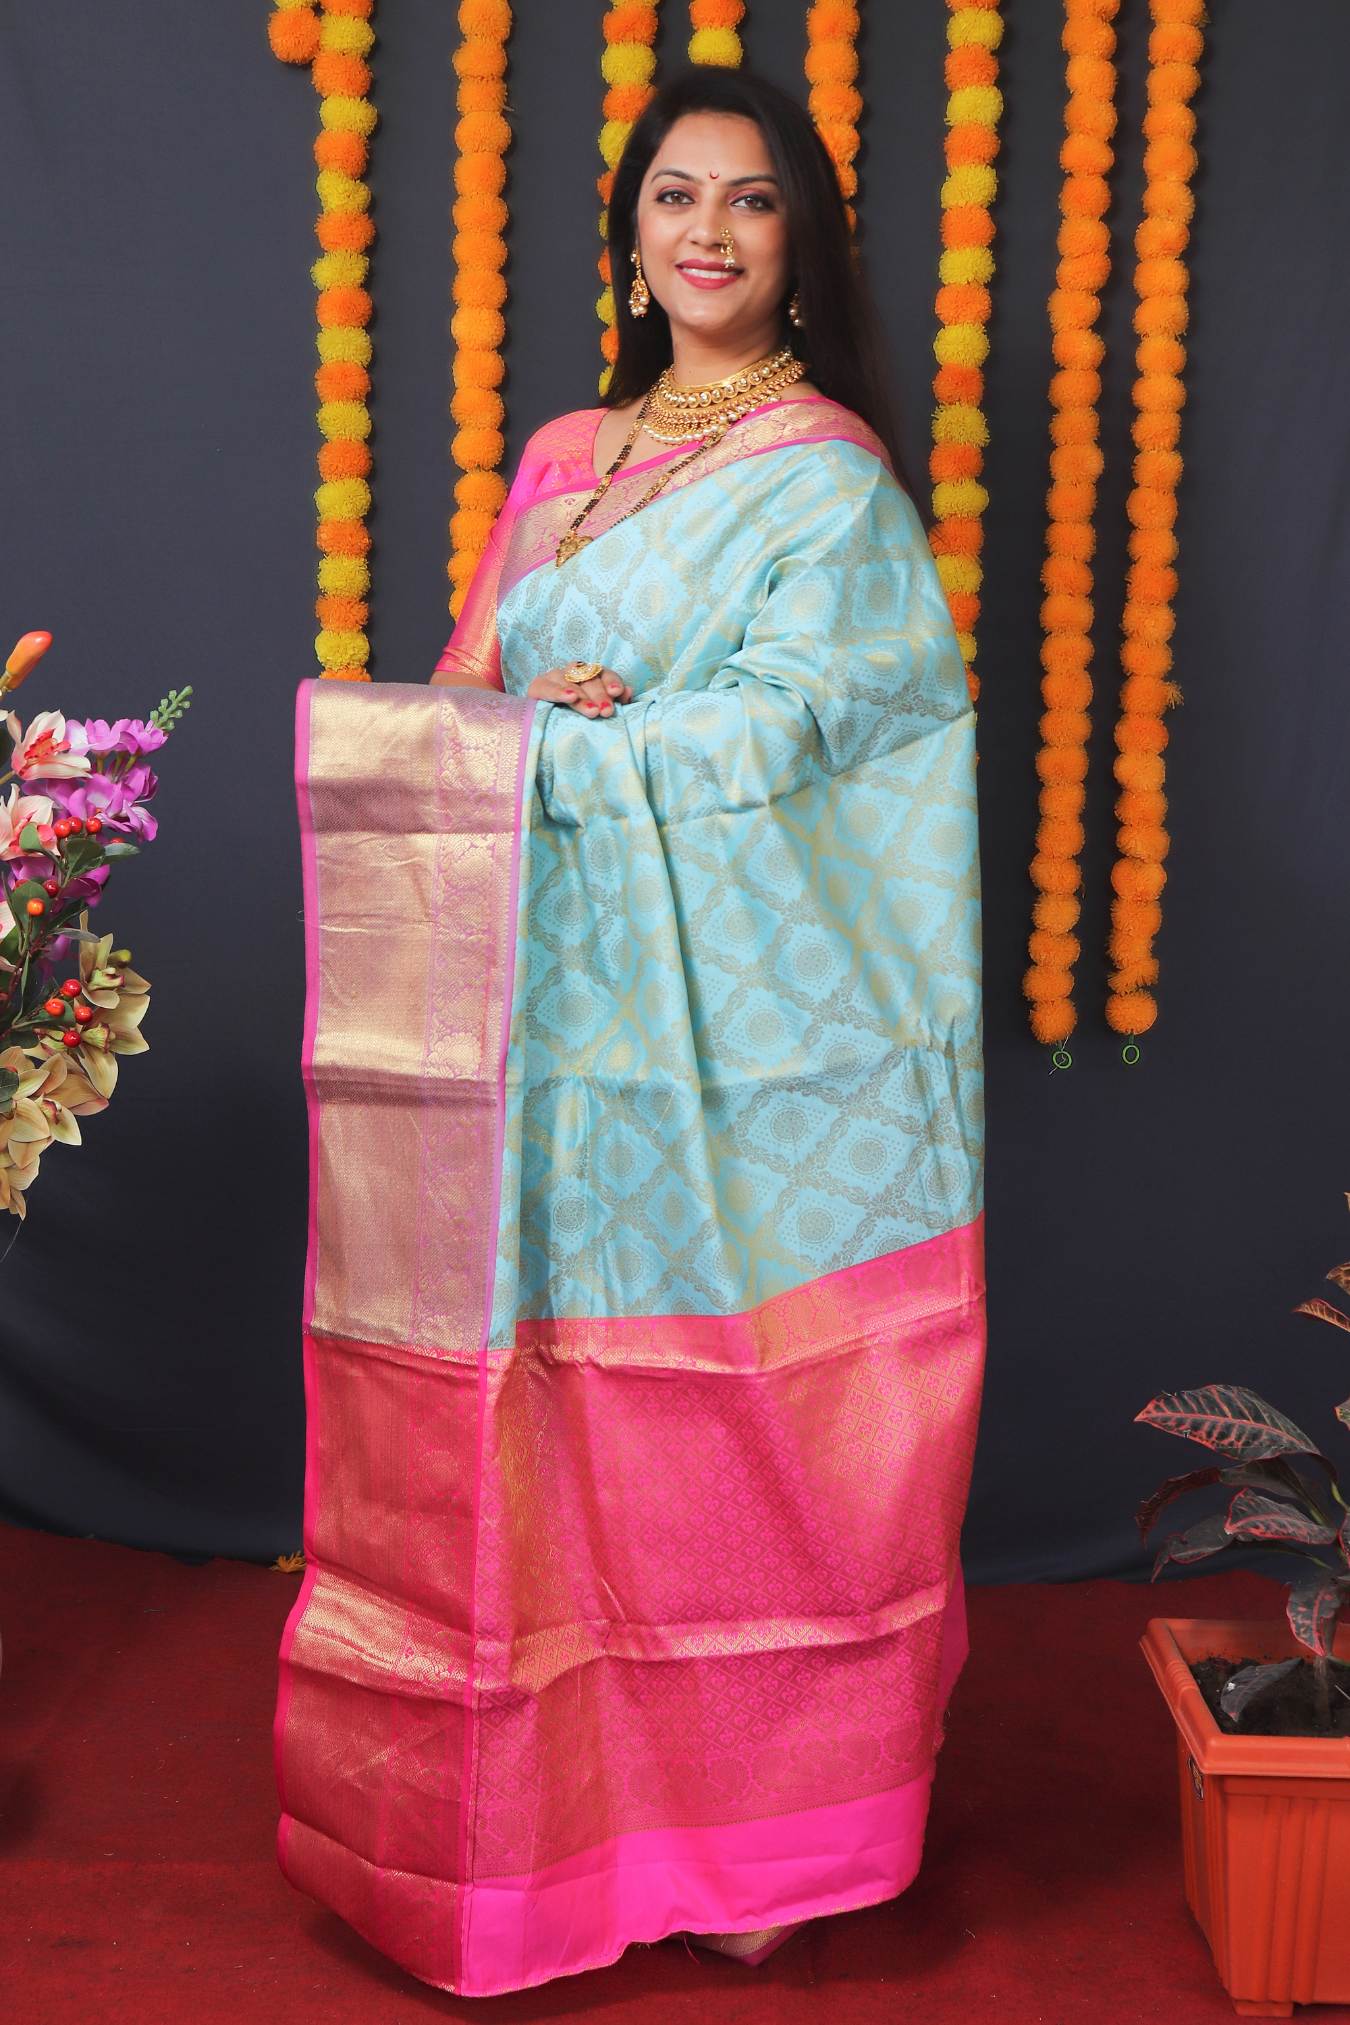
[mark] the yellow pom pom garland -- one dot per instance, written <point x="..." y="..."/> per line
<point x="960" y="432"/>
<point x="335" y="40"/>
<point x="714" y="39"/>
<point x="478" y="328"/>
<point x="1160" y="282"/>
<point x="1086" y="157"/>
<point x="834" y="99"/>
<point x="628" y="66"/>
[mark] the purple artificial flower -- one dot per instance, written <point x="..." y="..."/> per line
<point x="97" y="734"/>
<point x="89" y="886"/>
<point x="141" y="737"/>
<point x="138" y="783"/>
<point x="132" y="735"/>
<point x="103" y="795"/>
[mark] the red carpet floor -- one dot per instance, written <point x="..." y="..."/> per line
<point x="138" y="1884"/>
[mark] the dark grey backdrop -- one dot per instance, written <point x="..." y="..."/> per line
<point x="1146" y="1228"/>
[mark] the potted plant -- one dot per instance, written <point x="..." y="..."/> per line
<point x="1262" y="1710"/>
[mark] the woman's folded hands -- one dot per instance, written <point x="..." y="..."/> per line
<point x="586" y="686"/>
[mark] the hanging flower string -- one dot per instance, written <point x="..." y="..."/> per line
<point x="1086" y="157"/>
<point x="834" y="99"/>
<point x="335" y="41"/>
<point x="478" y="325"/>
<point x="1160" y="279"/>
<point x="714" y="39"/>
<point x="960" y="432"/>
<point x="627" y="66"/>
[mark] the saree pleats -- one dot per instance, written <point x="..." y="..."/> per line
<point x="645" y="1323"/>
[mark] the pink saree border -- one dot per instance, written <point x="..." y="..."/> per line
<point x="895" y="1291"/>
<point x="584" y="1911"/>
<point x="469" y="1777"/>
<point x="309" y="880"/>
<point x="732" y="1879"/>
<point x="539" y="522"/>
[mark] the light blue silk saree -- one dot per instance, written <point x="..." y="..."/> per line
<point x="660" y="1280"/>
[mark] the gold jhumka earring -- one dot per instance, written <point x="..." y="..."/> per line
<point x="795" y="309"/>
<point x="728" y="245"/>
<point x="639" y="295"/>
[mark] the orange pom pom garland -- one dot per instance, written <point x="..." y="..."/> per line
<point x="834" y="99"/>
<point x="1089" y="43"/>
<point x="960" y="432"/>
<point x="477" y="326"/>
<point x="334" y="37"/>
<point x="1160" y="283"/>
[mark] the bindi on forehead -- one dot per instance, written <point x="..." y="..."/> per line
<point x="713" y="175"/>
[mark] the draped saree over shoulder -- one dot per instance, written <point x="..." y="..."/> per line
<point x="644" y="1313"/>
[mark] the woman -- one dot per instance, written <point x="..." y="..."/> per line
<point x="645" y="1325"/>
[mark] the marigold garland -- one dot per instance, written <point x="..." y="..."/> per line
<point x="627" y="66"/>
<point x="1086" y="157"/>
<point x="714" y="39"/>
<point x="1160" y="281"/>
<point x="834" y="99"/>
<point x="335" y="37"/>
<point x="478" y="327"/>
<point x="960" y="432"/>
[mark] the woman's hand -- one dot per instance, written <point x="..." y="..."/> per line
<point x="585" y="686"/>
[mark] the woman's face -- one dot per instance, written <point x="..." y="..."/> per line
<point x="713" y="173"/>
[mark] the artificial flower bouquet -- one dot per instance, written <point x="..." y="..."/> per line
<point x="70" y="1003"/>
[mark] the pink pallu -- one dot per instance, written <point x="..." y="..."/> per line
<point x="580" y="1657"/>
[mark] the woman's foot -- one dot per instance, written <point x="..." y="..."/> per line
<point x="750" y="1949"/>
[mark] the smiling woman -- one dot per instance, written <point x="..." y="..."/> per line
<point x="646" y="1324"/>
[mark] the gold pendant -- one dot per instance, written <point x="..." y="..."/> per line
<point x="568" y="547"/>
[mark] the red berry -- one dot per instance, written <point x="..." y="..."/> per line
<point x="75" y="826"/>
<point x="54" y="1007"/>
<point x="83" y="1013"/>
<point x="64" y="828"/>
<point x="71" y="987"/>
<point x="71" y="1037"/>
<point x="52" y="886"/>
<point x="94" y="825"/>
<point x="35" y="907"/>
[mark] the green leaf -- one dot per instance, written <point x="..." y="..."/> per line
<point x="9" y="1083"/>
<point x="29" y="840"/>
<point x="119" y="849"/>
<point x="26" y="890"/>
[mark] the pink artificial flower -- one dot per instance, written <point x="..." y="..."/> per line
<point x="44" y="752"/>
<point x="139" y="736"/>
<point x="16" y="812"/>
<point x="99" y="735"/>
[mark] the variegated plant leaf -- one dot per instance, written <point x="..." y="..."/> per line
<point x="1196" y="1544"/>
<point x="1254" y="1516"/>
<point x="1231" y="1419"/>
<point x="1249" y="1682"/>
<point x="1314" y="1609"/>
<point x="1323" y="1311"/>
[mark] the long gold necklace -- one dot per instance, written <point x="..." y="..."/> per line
<point x="708" y="421"/>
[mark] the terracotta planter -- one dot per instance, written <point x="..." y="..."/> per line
<point x="1265" y="1828"/>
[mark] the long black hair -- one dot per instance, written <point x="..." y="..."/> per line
<point x="841" y="334"/>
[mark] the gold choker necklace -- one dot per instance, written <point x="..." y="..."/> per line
<point x="686" y="414"/>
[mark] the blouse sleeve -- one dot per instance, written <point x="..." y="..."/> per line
<point x="472" y="655"/>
